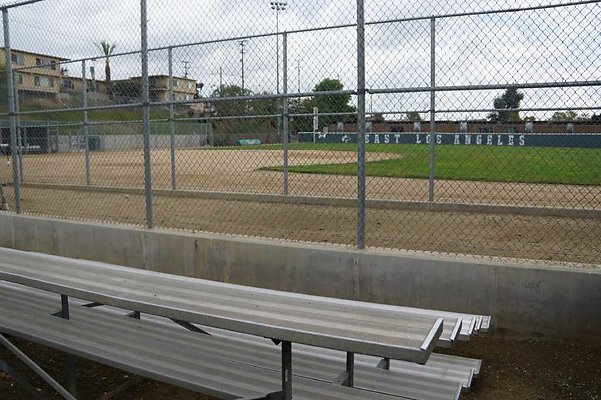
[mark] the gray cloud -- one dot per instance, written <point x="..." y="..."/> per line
<point x="559" y="44"/>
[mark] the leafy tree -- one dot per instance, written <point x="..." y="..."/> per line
<point x="301" y="106"/>
<point x="334" y="103"/>
<point x="596" y="118"/>
<point x="530" y="118"/>
<point x="583" y="117"/>
<point x="230" y="91"/>
<point x="232" y="107"/>
<point x="263" y="106"/>
<point x="232" y="128"/>
<point x="107" y="49"/>
<point x="378" y="117"/>
<point x="413" y="116"/>
<point x="560" y="116"/>
<point x="509" y="100"/>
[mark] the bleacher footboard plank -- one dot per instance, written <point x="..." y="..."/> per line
<point x="259" y="353"/>
<point x="143" y="347"/>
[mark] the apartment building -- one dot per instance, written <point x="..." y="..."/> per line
<point x="158" y="88"/>
<point x="36" y="74"/>
<point x="74" y="85"/>
<point x="183" y="88"/>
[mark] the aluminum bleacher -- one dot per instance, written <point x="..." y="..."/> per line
<point x="225" y="364"/>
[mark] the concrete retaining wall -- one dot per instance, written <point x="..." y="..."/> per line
<point x="526" y="300"/>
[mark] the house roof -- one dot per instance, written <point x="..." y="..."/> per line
<point x="37" y="54"/>
<point x="165" y="76"/>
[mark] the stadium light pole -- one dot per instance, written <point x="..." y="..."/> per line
<point x="242" y="44"/>
<point x="278" y="6"/>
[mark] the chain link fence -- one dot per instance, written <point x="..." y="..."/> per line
<point x="451" y="127"/>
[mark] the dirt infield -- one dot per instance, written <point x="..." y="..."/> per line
<point x="239" y="171"/>
<point x="566" y="240"/>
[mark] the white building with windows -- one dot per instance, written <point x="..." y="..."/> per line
<point x="36" y="74"/>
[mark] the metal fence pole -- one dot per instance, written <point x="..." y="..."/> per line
<point x="20" y="129"/>
<point x="11" y="112"/>
<point x="172" y="121"/>
<point x="86" y="126"/>
<point x="285" y="112"/>
<point x="25" y="139"/>
<point x="146" y="110"/>
<point x="360" y="124"/>
<point x="277" y="64"/>
<point x="432" y="106"/>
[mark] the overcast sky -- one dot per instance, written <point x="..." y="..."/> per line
<point x="561" y="44"/>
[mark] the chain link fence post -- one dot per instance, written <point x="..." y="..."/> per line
<point x="171" y="120"/>
<point x="86" y="125"/>
<point x="285" y="110"/>
<point x="361" y="124"/>
<point x="432" y="108"/>
<point x="20" y="128"/>
<point x="277" y="66"/>
<point x="146" y="110"/>
<point x="11" y="112"/>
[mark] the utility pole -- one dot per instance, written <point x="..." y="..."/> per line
<point x="220" y="81"/>
<point x="242" y="43"/>
<point x="186" y="68"/>
<point x="278" y="6"/>
<point x="298" y="67"/>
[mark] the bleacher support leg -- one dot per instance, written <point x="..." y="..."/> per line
<point x="71" y="385"/>
<point x="286" y="370"/>
<point x="35" y="368"/>
<point x="134" y="315"/>
<point x="384" y="364"/>
<point x="64" y="306"/>
<point x="350" y="369"/>
<point x="190" y="327"/>
<point x="347" y="377"/>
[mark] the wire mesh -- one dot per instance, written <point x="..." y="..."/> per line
<point x="482" y="136"/>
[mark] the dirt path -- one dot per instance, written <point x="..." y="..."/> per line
<point x="560" y="240"/>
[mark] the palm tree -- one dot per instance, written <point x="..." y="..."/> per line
<point x="107" y="49"/>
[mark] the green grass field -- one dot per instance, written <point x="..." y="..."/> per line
<point x="471" y="163"/>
